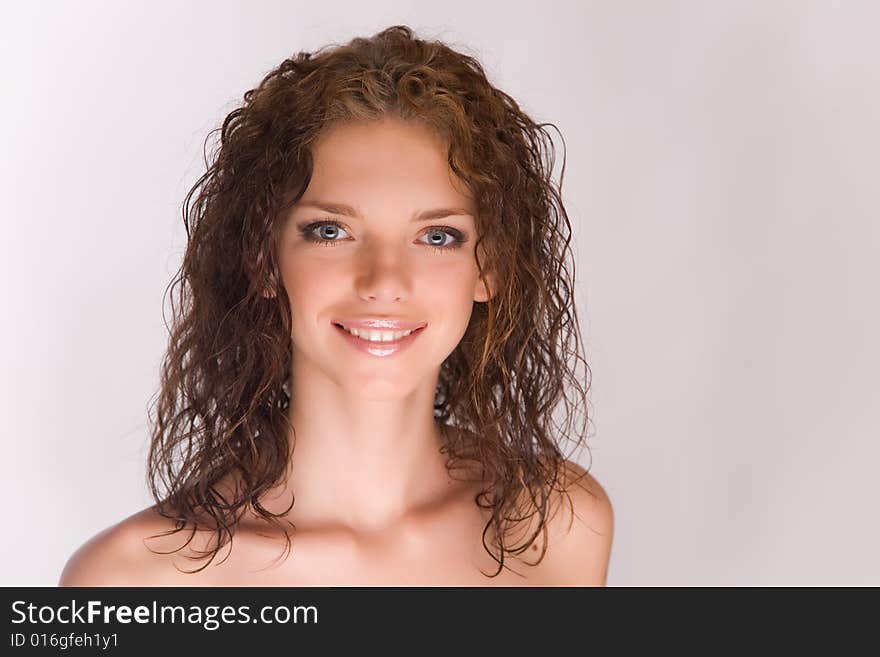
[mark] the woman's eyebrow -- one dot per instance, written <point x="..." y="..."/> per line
<point x="347" y="210"/>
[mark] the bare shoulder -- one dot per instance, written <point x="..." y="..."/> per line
<point x="580" y="531"/>
<point x="119" y="555"/>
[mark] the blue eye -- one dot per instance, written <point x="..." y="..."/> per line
<point x="311" y="232"/>
<point x="328" y="238"/>
<point x="457" y="238"/>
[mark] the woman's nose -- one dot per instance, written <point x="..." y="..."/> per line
<point x="383" y="273"/>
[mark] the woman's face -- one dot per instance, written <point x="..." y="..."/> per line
<point x="378" y="259"/>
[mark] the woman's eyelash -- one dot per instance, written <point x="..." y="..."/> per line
<point x="308" y="233"/>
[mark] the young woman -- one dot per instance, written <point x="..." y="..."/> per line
<point x="374" y="328"/>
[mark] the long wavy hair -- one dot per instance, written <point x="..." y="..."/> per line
<point x="222" y="408"/>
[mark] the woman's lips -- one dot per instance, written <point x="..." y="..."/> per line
<point x="379" y="324"/>
<point x="380" y="349"/>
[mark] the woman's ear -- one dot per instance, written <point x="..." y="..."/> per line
<point x="485" y="287"/>
<point x="268" y="291"/>
<point x="269" y="287"/>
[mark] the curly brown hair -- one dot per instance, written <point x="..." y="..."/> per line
<point x="222" y="406"/>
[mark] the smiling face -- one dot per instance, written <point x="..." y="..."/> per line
<point x="402" y="249"/>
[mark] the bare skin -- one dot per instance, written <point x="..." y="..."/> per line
<point x="435" y="546"/>
<point x="374" y="501"/>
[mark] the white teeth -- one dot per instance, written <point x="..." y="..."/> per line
<point x="377" y="336"/>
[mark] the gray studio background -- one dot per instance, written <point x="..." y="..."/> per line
<point x="722" y="170"/>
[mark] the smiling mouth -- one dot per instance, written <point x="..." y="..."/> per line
<point x="378" y="336"/>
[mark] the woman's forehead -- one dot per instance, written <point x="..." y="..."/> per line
<point x="361" y="164"/>
<point x="388" y="145"/>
